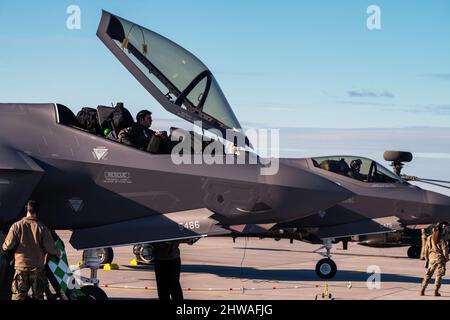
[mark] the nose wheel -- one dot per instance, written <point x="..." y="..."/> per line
<point x="326" y="268"/>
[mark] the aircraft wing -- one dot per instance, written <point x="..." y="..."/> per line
<point x="19" y="175"/>
<point x="363" y="227"/>
<point x="164" y="227"/>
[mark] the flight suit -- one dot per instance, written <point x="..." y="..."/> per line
<point x="436" y="257"/>
<point x="31" y="241"/>
<point x="140" y="137"/>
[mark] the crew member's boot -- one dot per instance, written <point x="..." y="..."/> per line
<point x="422" y="291"/>
<point x="424" y="286"/>
<point x="436" y="291"/>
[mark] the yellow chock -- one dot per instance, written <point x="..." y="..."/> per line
<point x="111" y="266"/>
<point x="134" y="262"/>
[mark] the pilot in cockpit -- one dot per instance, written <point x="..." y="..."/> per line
<point x="355" y="168"/>
<point x="140" y="136"/>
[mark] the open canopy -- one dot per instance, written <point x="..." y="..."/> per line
<point x="172" y="75"/>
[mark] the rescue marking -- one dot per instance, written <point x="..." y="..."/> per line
<point x="117" y="177"/>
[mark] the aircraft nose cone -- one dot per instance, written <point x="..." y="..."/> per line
<point x="439" y="205"/>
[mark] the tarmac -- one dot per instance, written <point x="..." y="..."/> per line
<point x="265" y="269"/>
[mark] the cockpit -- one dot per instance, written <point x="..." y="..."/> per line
<point x="107" y="122"/>
<point x="357" y="168"/>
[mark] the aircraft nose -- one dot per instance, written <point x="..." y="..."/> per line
<point x="439" y="205"/>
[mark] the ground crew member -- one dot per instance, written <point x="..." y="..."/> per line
<point x="424" y="242"/>
<point x="30" y="240"/>
<point x="167" y="270"/>
<point x="436" y="256"/>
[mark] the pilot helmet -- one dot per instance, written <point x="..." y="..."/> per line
<point x="355" y="163"/>
<point x="442" y="226"/>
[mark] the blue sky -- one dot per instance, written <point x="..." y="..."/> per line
<point x="280" y="63"/>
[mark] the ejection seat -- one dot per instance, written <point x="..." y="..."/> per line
<point x="337" y="166"/>
<point x="106" y="122"/>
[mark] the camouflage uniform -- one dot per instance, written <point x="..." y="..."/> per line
<point x="436" y="256"/>
<point x="424" y="244"/>
<point x="30" y="240"/>
<point x="35" y="280"/>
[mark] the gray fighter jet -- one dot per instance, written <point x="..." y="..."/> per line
<point x="385" y="210"/>
<point x="110" y="194"/>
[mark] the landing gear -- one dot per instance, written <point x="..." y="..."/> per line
<point x="144" y="253"/>
<point x="92" y="259"/>
<point x="94" y="293"/>
<point x="106" y="256"/>
<point x="326" y="268"/>
<point x="68" y="283"/>
<point x="414" y="252"/>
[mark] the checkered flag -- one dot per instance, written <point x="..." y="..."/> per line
<point x="61" y="270"/>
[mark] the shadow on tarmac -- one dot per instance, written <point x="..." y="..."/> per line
<point x="294" y="275"/>
<point x="338" y="253"/>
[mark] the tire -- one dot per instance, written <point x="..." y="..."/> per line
<point x="400" y="156"/>
<point x="414" y="252"/>
<point x="326" y="268"/>
<point x="107" y="256"/>
<point x="94" y="293"/>
<point x="144" y="253"/>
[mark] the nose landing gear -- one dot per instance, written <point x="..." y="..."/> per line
<point x="326" y="268"/>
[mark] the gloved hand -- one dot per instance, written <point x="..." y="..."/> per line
<point x="59" y="254"/>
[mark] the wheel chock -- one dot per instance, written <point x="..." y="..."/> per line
<point x="111" y="266"/>
<point x="134" y="262"/>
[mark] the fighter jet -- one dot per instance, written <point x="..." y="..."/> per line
<point x="386" y="208"/>
<point x="110" y="194"/>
